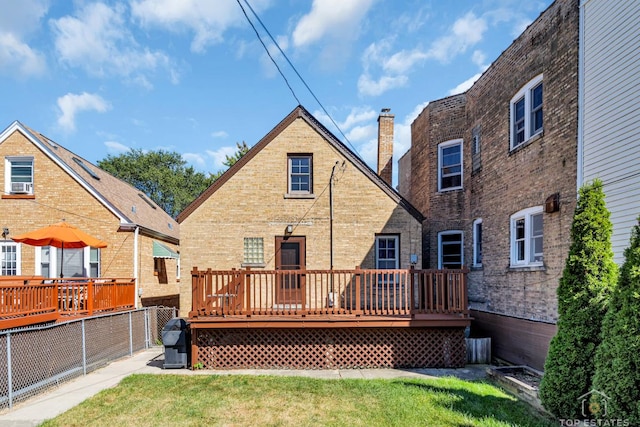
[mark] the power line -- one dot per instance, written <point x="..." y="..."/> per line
<point x="294" y="69"/>
<point x="268" y="53"/>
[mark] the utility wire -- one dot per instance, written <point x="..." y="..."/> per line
<point x="267" y="50"/>
<point x="295" y="70"/>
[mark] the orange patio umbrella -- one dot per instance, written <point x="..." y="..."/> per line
<point x="60" y="235"/>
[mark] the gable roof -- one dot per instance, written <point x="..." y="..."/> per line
<point x="301" y="113"/>
<point x="127" y="203"/>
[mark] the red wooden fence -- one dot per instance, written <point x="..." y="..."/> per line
<point x="29" y="301"/>
<point x="324" y="292"/>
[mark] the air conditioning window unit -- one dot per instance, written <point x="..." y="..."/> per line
<point x="21" y="187"/>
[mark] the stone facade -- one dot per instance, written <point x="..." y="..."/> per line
<point x="58" y="196"/>
<point x="252" y="201"/>
<point x="499" y="181"/>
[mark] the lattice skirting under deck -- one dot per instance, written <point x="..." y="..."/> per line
<point x="330" y="348"/>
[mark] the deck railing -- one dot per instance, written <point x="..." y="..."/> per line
<point x="31" y="301"/>
<point x="325" y="292"/>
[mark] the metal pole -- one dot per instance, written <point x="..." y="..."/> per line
<point x="84" y="349"/>
<point x="9" y="369"/>
<point x="130" y="335"/>
<point x="333" y="170"/>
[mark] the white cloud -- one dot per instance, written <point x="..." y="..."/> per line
<point x="17" y="21"/>
<point x="97" y="40"/>
<point x="465" y="32"/>
<point x="360" y="133"/>
<point x="396" y="67"/>
<point x="17" y="58"/>
<point x="368" y="86"/>
<point x="206" y="19"/>
<point x="358" y="115"/>
<point x="479" y="58"/>
<point x="71" y="104"/>
<point x="219" y="156"/>
<point x="404" y="61"/>
<point x="219" y="134"/>
<point x="114" y="147"/>
<point x="333" y="18"/>
<point x="195" y="159"/>
<point x="465" y="85"/>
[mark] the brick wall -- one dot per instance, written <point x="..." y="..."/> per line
<point x="503" y="182"/>
<point x="58" y="196"/>
<point x="252" y="203"/>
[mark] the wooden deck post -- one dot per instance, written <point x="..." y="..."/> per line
<point x="195" y="295"/>
<point x="358" y="289"/>
<point x="90" y="296"/>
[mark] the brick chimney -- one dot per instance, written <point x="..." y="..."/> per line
<point x="385" y="145"/>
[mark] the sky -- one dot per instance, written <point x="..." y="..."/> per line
<point x="191" y="76"/>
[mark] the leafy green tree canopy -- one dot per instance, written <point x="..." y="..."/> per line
<point x="164" y="176"/>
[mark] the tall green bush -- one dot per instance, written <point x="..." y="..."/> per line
<point x="587" y="280"/>
<point x="618" y="356"/>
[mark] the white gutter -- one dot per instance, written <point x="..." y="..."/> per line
<point x="135" y="265"/>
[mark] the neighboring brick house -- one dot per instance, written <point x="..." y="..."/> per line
<point x="301" y="194"/>
<point x="494" y="172"/>
<point x="43" y="183"/>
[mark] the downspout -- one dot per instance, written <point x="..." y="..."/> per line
<point x="135" y="264"/>
<point x="333" y="170"/>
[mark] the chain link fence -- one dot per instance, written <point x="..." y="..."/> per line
<point x="36" y="359"/>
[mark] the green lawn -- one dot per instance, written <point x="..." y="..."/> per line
<point x="234" y="400"/>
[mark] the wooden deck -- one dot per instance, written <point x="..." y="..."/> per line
<point x="29" y="301"/>
<point x="318" y="319"/>
<point x="328" y="299"/>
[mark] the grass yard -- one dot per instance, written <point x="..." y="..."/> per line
<point x="234" y="400"/>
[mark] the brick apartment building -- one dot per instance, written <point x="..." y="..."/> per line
<point x="494" y="171"/>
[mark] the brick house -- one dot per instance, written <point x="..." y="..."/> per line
<point x="44" y="183"/>
<point x="494" y="172"/>
<point x="301" y="193"/>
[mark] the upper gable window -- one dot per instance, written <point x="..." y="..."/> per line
<point x="526" y="112"/>
<point x="450" y="165"/>
<point x="19" y="175"/>
<point x="300" y="167"/>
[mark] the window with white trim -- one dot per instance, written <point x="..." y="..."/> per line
<point x="9" y="258"/>
<point x="450" y="165"/>
<point x="78" y="262"/>
<point x="387" y="252"/>
<point x="477" y="242"/>
<point x="300" y="174"/>
<point x="527" y="237"/>
<point x="450" y="249"/>
<point x="526" y="112"/>
<point x="19" y="175"/>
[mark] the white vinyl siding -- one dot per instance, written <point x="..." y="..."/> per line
<point x="610" y="122"/>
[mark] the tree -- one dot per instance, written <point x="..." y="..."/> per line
<point x="162" y="175"/>
<point x="618" y="356"/>
<point x="587" y="280"/>
<point x="242" y="149"/>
